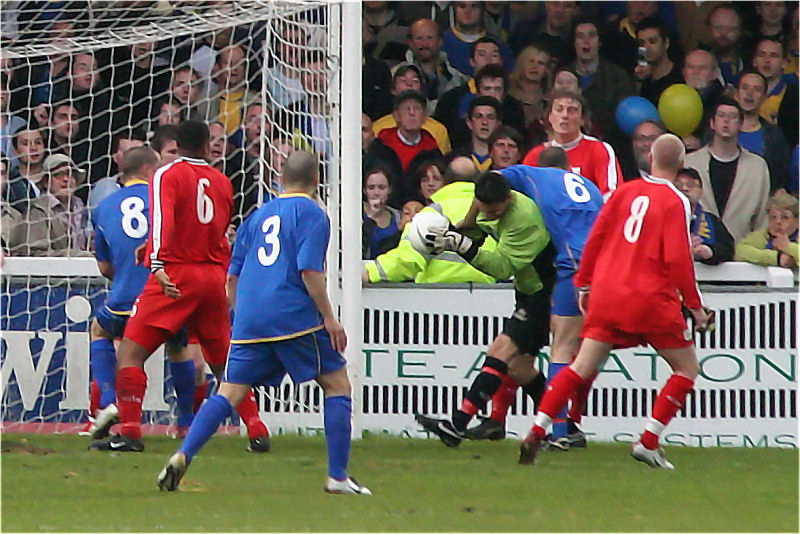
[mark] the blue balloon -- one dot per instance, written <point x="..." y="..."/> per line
<point x="632" y="111"/>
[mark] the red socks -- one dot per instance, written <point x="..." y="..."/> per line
<point x="248" y="411"/>
<point x="668" y="402"/>
<point x="580" y="398"/>
<point x="94" y="399"/>
<point x="131" y="384"/>
<point x="503" y="399"/>
<point x="199" y="396"/>
<point x="555" y="397"/>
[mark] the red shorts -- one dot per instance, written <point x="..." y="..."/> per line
<point x="621" y="339"/>
<point x="202" y="308"/>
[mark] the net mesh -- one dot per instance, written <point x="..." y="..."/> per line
<point x="90" y="80"/>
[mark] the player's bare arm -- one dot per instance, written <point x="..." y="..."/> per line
<point x="317" y="289"/>
<point x="230" y="288"/>
<point x="469" y="220"/>
<point x="139" y="253"/>
<point x="169" y="288"/>
<point x="106" y="268"/>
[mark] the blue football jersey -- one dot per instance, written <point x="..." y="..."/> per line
<point x="121" y="225"/>
<point x="273" y="246"/>
<point x="569" y="204"/>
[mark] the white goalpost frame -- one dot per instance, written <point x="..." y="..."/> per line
<point x="350" y="205"/>
<point x="395" y="368"/>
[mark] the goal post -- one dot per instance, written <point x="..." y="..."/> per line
<point x="303" y="68"/>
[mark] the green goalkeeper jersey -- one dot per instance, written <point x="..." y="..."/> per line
<point x="521" y="235"/>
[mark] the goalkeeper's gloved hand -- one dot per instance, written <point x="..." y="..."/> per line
<point x="451" y="239"/>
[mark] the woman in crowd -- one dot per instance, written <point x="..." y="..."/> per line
<point x="381" y="230"/>
<point x="429" y="179"/>
<point x="529" y="82"/>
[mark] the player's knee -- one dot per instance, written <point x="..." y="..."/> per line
<point x="521" y="369"/>
<point x="689" y="369"/>
<point x="234" y="393"/>
<point x="336" y="383"/>
<point x="502" y="348"/>
<point x="98" y="332"/>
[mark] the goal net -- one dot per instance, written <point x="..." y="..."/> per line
<point x="84" y="81"/>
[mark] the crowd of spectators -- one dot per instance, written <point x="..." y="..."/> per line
<point x="494" y="81"/>
<point x="500" y="81"/>
<point x="67" y="118"/>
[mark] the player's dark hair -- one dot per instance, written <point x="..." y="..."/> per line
<point x="133" y="134"/>
<point x="486" y="101"/>
<point x="653" y="23"/>
<point x="727" y="101"/>
<point x="484" y="39"/>
<point x="134" y="159"/>
<point x="26" y="128"/>
<point x="563" y="93"/>
<point x="492" y="187"/>
<point x="586" y="19"/>
<point x="63" y="103"/>
<point x="172" y="101"/>
<point x="162" y="134"/>
<point x="505" y="132"/>
<point x="553" y="156"/>
<point x="422" y="170"/>
<point x="752" y="72"/>
<point x="492" y="70"/>
<point x="377" y="169"/>
<point x="771" y="39"/>
<point x="691" y="173"/>
<point x="193" y="136"/>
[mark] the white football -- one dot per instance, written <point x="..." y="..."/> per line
<point x="422" y="224"/>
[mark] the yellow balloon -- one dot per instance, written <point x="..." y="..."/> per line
<point x="680" y="108"/>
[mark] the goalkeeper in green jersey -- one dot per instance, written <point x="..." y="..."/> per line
<point x="524" y="252"/>
<point x="405" y="263"/>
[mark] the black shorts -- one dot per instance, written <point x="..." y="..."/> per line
<point x="529" y="326"/>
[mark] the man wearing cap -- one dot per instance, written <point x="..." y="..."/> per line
<point x="409" y="142"/>
<point x="56" y="221"/>
<point x="407" y="77"/>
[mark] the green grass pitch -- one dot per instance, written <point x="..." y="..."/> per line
<point x="52" y="483"/>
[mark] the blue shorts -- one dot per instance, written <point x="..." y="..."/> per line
<point x="266" y="363"/>
<point x="565" y="298"/>
<point x="114" y="324"/>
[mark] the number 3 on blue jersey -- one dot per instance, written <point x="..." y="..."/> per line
<point x="271" y="228"/>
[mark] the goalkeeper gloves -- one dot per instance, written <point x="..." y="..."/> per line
<point x="439" y="240"/>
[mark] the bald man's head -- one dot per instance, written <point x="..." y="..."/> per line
<point x="425" y="40"/>
<point x="300" y="171"/>
<point x="461" y="169"/>
<point x="553" y="156"/>
<point x="668" y="153"/>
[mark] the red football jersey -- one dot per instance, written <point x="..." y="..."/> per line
<point x="191" y="206"/>
<point x="404" y="151"/>
<point x="638" y="260"/>
<point x="589" y="157"/>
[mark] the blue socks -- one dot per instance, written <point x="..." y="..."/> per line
<point x="183" y="381"/>
<point x="103" y="360"/>
<point x="337" y="435"/>
<point x="205" y="424"/>
<point x="560" y="420"/>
